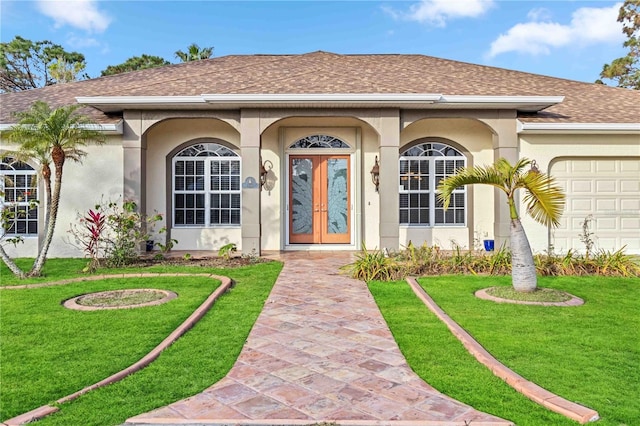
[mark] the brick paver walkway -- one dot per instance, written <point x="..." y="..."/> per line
<point x="319" y="351"/>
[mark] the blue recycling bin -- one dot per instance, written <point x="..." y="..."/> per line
<point x="489" y="245"/>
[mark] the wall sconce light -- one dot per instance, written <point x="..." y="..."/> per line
<point x="534" y="167"/>
<point x="375" y="174"/>
<point x="264" y="172"/>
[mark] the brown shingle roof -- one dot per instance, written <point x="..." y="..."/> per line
<point x="322" y="72"/>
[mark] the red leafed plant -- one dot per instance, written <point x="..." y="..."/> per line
<point x="94" y="223"/>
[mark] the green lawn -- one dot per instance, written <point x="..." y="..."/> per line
<point x="588" y="354"/>
<point x="49" y="351"/>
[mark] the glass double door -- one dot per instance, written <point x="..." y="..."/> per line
<point x="319" y="199"/>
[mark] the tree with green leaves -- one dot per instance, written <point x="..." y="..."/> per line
<point x="25" y="64"/>
<point x="544" y="201"/>
<point x="194" y="53"/>
<point x="135" y="63"/>
<point x="625" y="71"/>
<point x="49" y="137"/>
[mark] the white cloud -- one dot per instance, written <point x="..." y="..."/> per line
<point x="438" y="12"/>
<point x="588" y="26"/>
<point x="539" y="14"/>
<point x="81" y="14"/>
<point x="80" y="42"/>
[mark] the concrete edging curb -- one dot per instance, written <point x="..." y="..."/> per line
<point x="45" y="410"/>
<point x="529" y="389"/>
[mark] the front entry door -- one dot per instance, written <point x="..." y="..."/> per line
<point x="319" y="199"/>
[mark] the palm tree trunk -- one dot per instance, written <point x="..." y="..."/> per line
<point x="58" y="156"/>
<point x="46" y="176"/>
<point x="15" y="269"/>
<point x="523" y="269"/>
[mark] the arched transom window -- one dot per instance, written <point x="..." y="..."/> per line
<point x="422" y="167"/>
<point x="319" y="141"/>
<point x="206" y="186"/>
<point x="18" y="197"/>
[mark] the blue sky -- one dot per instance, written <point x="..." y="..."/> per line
<point x="562" y="38"/>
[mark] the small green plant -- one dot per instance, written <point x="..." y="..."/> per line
<point x="167" y="246"/>
<point x="226" y="250"/>
<point x="586" y="237"/>
<point x="187" y="256"/>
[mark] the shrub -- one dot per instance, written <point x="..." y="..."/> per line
<point x="113" y="232"/>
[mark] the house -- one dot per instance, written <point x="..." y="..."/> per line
<point x="326" y="151"/>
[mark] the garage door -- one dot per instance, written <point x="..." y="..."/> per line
<point x="609" y="191"/>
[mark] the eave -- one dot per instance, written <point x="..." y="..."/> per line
<point x="578" y="128"/>
<point x="110" y="104"/>
<point x="107" y="129"/>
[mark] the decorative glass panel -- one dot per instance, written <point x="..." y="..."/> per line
<point x="337" y="197"/>
<point x="319" y="141"/>
<point x="302" y="195"/>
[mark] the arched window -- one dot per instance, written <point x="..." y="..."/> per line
<point x="319" y="141"/>
<point x="18" y="197"/>
<point x="206" y="186"/>
<point x="422" y="167"/>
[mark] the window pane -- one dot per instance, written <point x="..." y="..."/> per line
<point x="179" y="168"/>
<point x="424" y="216"/>
<point x="179" y="183"/>
<point x="189" y="217"/>
<point x="179" y="217"/>
<point x="404" y="200"/>
<point x="235" y="217"/>
<point x="235" y="201"/>
<point x="414" y="216"/>
<point x="439" y="216"/>
<point x="235" y="183"/>
<point x="215" y="217"/>
<point x="199" y="217"/>
<point x="404" y="216"/>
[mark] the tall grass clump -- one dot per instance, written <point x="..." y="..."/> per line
<point x="428" y="260"/>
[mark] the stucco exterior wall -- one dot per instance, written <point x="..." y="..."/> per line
<point x="98" y="178"/>
<point x="547" y="148"/>
<point x="161" y="140"/>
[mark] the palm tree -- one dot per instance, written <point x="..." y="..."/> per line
<point x="544" y="201"/>
<point x="194" y="53"/>
<point x="50" y="137"/>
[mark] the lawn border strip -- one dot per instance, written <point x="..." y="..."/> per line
<point x="225" y="284"/>
<point x="536" y="393"/>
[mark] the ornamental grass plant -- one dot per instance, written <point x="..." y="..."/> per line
<point x="428" y="260"/>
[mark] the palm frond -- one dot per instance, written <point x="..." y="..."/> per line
<point x="488" y="175"/>
<point x="544" y="198"/>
